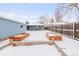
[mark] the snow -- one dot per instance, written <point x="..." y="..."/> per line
<point x="19" y="18"/>
<point x="35" y="50"/>
<point x="51" y="34"/>
<point x="69" y="46"/>
<point x="3" y="43"/>
<point x="37" y="36"/>
<point x="13" y="17"/>
<point x="35" y="23"/>
<point x="57" y="23"/>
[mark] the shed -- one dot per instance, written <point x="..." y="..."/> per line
<point x="9" y="27"/>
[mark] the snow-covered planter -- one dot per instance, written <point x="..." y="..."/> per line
<point x="19" y="37"/>
<point x="54" y="37"/>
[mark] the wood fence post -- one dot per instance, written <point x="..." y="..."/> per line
<point x="74" y="30"/>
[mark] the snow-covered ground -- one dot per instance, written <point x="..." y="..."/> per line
<point x="37" y="36"/>
<point x="69" y="46"/>
<point x="35" y="50"/>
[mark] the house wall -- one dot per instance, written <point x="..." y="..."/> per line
<point x="8" y="28"/>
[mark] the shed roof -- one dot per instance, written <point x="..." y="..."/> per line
<point x="36" y="24"/>
<point x="12" y="18"/>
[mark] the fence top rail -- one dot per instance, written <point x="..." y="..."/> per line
<point x="58" y="24"/>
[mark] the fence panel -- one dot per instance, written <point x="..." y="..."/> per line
<point x="69" y="29"/>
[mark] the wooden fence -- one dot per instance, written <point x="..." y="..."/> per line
<point x="68" y="29"/>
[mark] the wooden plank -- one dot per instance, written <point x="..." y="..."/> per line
<point x="31" y="43"/>
<point x="5" y="46"/>
<point x="59" y="49"/>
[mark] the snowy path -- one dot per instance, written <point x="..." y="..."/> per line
<point x="36" y="36"/>
<point x="35" y="50"/>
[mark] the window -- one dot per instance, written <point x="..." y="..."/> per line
<point x="21" y="26"/>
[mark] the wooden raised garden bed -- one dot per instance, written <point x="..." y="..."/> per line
<point x="54" y="37"/>
<point x="19" y="37"/>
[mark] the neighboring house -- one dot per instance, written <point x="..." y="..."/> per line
<point x="10" y="27"/>
<point x="34" y="26"/>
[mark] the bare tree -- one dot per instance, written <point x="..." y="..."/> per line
<point x="46" y="20"/>
<point x="52" y="20"/>
<point x="66" y="9"/>
<point x="58" y="15"/>
<point x="76" y="5"/>
<point x="42" y="19"/>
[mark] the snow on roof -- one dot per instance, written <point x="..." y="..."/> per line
<point x="19" y="18"/>
<point x="34" y="23"/>
<point x="12" y="17"/>
<point x="58" y="23"/>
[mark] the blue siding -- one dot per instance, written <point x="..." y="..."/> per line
<point x="8" y="28"/>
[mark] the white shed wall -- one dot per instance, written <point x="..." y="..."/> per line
<point x="8" y="28"/>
